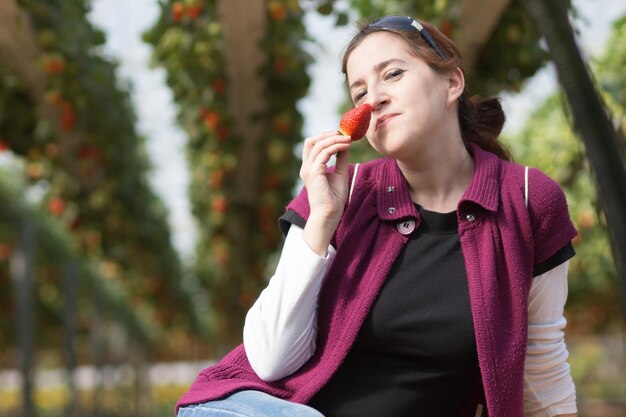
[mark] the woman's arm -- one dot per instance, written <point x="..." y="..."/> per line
<point x="281" y="327"/>
<point x="548" y="386"/>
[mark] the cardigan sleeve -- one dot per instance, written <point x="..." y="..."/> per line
<point x="290" y="218"/>
<point x="551" y="224"/>
<point x="561" y="256"/>
<point x="297" y="212"/>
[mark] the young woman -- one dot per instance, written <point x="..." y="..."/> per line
<point x="429" y="282"/>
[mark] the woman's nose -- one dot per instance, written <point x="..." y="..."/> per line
<point x="377" y="98"/>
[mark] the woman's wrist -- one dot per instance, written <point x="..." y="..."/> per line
<point x="318" y="232"/>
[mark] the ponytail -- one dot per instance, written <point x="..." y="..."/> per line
<point x="481" y="121"/>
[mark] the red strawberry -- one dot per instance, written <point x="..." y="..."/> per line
<point x="355" y="122"/>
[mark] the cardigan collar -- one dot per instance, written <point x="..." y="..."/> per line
<point x="484" y="189"/>
<point x="394" y="199"/>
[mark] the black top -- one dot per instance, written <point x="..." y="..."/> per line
<point x="415" y="354"/>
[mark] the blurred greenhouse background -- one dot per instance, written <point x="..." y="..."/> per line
<point x="147" y="148"/>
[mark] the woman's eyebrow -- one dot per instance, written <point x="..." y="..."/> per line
<point x="377" y="68"/>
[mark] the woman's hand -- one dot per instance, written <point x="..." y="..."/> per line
<point x="327" y="192"/>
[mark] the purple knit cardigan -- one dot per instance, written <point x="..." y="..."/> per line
<point x="501" y="240"/>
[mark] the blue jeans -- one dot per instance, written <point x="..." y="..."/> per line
<point x="248" y="404"/>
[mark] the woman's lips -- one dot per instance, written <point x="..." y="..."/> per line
<point x="382" y="120"/>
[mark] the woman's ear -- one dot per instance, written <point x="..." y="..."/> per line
<point x="456" y="85"/>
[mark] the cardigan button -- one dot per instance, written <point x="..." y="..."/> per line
<point x="391" y="210"/>
<point x="391" y="189"/>
<point x="470" y="218"/>
<point x="406" y="227"/>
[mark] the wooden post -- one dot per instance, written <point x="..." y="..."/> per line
<point x="244" y="27"/>
<point x="477" y="20"/>
<point x="70" y="285"/>
<point x="97" y="353"/>
<point x="140" y="362"/>
<point x="22" y="271"/>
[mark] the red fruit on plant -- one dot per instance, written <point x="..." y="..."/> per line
<point x="222" y="133"/>
<point x="54" y="98"/>
<point x="216" y="179"/>
<point x="51" y="150"/>
<point x="178" y="11"/>
<point x="447" y="28"/>
<point x="277" y="11"/>
<point x="194" y="11"/>
<point x="354" y="122"/>
<point x="219" y="204"/>
<point x="90" y="152"/>
<point x="211" y="119"/>
<point x="68" y="118"/>
<point x="34" y="171"/>
<point x="54" y="64"/>
<point x="219" y="85"/>
<point x="282" y="124"/>
<point x="272" y="181"/>
<point x="280" y="65"/>
<point x="56" y="206"/>
<point x="5" y="251"/>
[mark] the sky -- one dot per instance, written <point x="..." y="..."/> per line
<point x="124" y="21"/>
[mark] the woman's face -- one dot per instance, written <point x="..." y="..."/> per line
<point x="410" y="102"/>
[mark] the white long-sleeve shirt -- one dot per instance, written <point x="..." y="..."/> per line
<point x="280" y="330"/>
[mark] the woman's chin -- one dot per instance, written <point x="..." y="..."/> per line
<point x="389" y="150"/>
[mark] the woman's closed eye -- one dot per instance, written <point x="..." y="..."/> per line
<point x="359" y="96"/>
<point x="393" y="74"/>
<point x="390" y="75"/>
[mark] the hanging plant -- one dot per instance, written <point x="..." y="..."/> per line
<point x="192" y="50"/>
<point x="78" y="139"/>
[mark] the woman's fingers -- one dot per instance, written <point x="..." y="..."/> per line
<point x="315" y="144"/>
<point x="326" y="191"/>
<point x="323" y="156"/>
<point x="343" y="159"/>
<point x="318" y="150"/>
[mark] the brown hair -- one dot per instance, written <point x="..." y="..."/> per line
<point x="481" y="119"/>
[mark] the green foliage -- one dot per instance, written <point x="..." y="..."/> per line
<point x="433" y="11"/>
<point x="512" y="55"/>
<point x="16" y="116"/>
<point x="191" y="48"/>
<point x="611" y="77"/>
<point x="596" y="363"/>
<point x="549" y="143"/>
<point x="57" y="248"/>
<point x="78" y="142"/>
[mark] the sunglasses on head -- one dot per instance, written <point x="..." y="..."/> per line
<point x="407" y="24"/>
